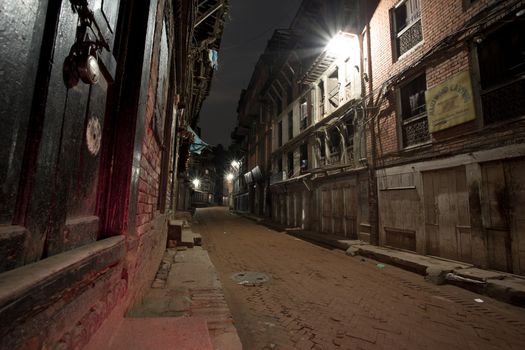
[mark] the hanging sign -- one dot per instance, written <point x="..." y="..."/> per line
<point x="450" y="103"/>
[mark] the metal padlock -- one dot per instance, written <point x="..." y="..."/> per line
<point x="88" y="68"/>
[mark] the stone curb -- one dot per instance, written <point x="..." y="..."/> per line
<point x="502" y="286"/>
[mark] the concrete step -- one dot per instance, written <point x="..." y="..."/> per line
<point x="162" y="333"/>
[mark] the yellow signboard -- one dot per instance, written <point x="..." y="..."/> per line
<point x="450" y="103"/>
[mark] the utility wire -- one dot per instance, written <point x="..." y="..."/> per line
<point x="262" y="33"/>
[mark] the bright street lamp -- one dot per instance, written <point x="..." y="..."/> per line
<point x="229" y="177"/>
<point x="342" y="45"/>
<point x="236" y="164"/>
<point x="196" y="183"/>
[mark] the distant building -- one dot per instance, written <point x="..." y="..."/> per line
<point x="405" y="130"/>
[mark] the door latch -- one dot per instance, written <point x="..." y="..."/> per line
<point x="82" y="61"/>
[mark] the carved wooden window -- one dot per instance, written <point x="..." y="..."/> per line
<point x="406" y="26"/>
<point x="303" y="109"/>
<point x="335" y="140"/>
<point x="304" y="157"/>
<point x="413" y="112"/>
<point x="502" y="68"/>
<point x="290" y="164"/>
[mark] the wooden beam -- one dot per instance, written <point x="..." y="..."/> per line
<point x="208" y="13"/>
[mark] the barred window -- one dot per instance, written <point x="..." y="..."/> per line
<point x="413" y="112"/>
<point x="406" y="25"/>
<point x="502" y="68"/>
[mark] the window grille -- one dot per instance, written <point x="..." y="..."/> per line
<point x="407" y="26"/>
<point x="414" y="122"/>
<point x="502" y="69"/>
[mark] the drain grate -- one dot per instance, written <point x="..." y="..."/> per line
<point x="250" y="278"/>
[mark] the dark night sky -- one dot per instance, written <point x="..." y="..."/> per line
<point x="250" y="25"/>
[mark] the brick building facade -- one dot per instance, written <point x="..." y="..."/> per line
<point x="409" y="134"/>
<point x="90" y="156"/>
<point x="449" y="134"/>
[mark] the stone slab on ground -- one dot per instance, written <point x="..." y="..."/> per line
<point x="409" y="261"/>
<point x="193" y="289"/>
<point x="190" y="239"/>
<point x="479" y="274"/>
<point x="163" y="333"/>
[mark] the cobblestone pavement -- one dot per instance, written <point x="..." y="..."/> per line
<point x="322" y="299"/>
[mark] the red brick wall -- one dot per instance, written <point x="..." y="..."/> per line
<point x="439" y="19"/>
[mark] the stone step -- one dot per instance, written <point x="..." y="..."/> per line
<point x="162" y="333"/>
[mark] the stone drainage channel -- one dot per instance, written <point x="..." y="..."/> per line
<point x="250" y="278"/>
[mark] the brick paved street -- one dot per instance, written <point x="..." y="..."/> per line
<point x="322" y="299"/>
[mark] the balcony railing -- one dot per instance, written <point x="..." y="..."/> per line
<point x="409" y="37"/>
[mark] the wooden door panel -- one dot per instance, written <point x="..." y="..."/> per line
<point x="496" y="247"/>
<point x="517" y="194"/>
<point x="62" y="202"/>
<point x="43" y="214"/>
<point x="463" y="234"/>
<point x="350" y="211"/>
<point x="338" y="210"/>
<point x="494" y="222"/>
<point x="446" y="210"/>
<point x="432" y="239"/>
<point x="447" y="217"/>
<point x="326" y="218"/>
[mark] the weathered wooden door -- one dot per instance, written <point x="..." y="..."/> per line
<point x="495" y="221"/>
<point x="298" y="198"/>
<point x="447" y="218"/>
<point x="337" y="211"/>
<point x="326" y="210"/>
<point x="504" y="214"/>
<point x="517" y="214"/>
<point x="58" y="201"/>
<point x="350" y="211"/>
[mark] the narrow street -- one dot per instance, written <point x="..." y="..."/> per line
<point x="322" y="299"/>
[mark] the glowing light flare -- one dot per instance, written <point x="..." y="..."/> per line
<point x="229" y="177"/>
<point x="196" y="183"/>
<point x="236" y="164"/>
<point x="342" y="45"/>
